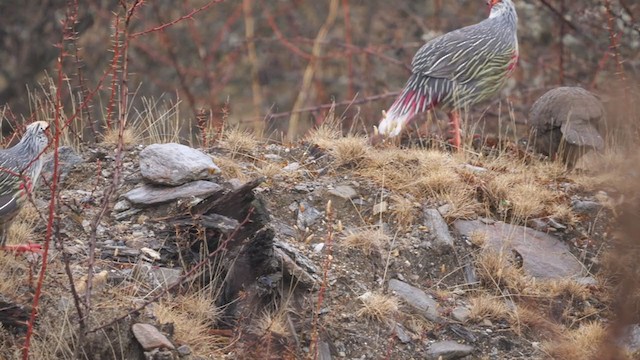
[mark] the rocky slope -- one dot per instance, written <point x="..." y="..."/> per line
<point x="331" y="247"/>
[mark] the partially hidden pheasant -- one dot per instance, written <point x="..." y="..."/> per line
<point x="565" y="122"/>
<point x="20" y="167"/>
<point x="457" y="70"/>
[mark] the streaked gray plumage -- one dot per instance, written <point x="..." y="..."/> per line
<point x="458" y="69"/>
<point x="564" y="123"/>
<point x="20" y="168"/>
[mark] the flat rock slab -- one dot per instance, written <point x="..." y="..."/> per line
<point x="155" y="194"/>
<point x="344" y="192"/>
<point x="175" y="164"/>
<point x="150" y="337"/>
<point x="448" y="350"/>
<point x="544" y="255"/>
<point x="438" y="227"/>
<point x="416" y="298"/>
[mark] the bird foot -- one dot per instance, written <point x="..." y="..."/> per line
<point x="22" y="248"/>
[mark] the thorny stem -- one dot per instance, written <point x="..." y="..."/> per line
<point x="122" y="123"/>
<point x="52" y="205"/>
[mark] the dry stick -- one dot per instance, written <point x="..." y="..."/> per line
<point x="52" y="203"/>
<point x="183" y="277"/>
<point x="294" y="121"/>
<point x="256" y="89"/>
<point x="329" y="106"/>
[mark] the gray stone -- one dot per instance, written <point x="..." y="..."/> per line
<point x="416" y="298"/>
<point x="175" y="164"/>
<point x="401" y="333"/>
<point x="461" y="314"/>
<point x="121" y="206"/>
<point x="630" y="339"/>
<point x="156" y="277"/>
<point x="448" y="350"/>
<point x="154" y="194"/>
<point x="67" y="160"/>
<point x="150" y="338"/>
<point x="324" y="351"/>
<point x="544" y="256"/>
<point x="307" y="215"/>
<point x="126" y="214"/>
<point x="438" y="227"/>
<point x="380" y="208"/>
<point x="294" y="166"/>
<point x="344" y="192"/>
<point x="184" y="350"/>
<point x="586" y="207"/>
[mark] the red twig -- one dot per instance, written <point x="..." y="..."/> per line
<point x="613" y="42"/>
<point x="52" y="203"/>
<point x="173" y="22"/>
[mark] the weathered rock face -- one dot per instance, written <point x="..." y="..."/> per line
<point x="153" y="194"/>
<point x="447" y="350"/>
<point x="544" y="256"/>
<point x="150" y="338"/>
<point x="416" y="298"/>
<point x="438" y="228"/>
<point x="175" y="164"/>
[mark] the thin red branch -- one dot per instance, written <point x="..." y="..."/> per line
<point x="175" y="21"/>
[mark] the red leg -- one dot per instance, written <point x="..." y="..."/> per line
<point x="454" y="124"/>
<point x="21" y="248"/>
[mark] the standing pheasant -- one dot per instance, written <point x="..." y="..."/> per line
<point x="458" y="69"/>
<point x="20" y="168"/>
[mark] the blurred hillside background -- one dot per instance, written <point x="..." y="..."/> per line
<point x="276" y="66"/>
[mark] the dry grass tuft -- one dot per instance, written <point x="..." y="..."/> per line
<point x="531" y="318"/>
<point x="230" y="168"/>
<point x="479" y="238"/>
<point x="350" y="151"/>
<point x="21" y="230"/>
<point x="519" y="197"/>
<point x="326" y="134"/>
<point x="129" y="137"/>
<point x="378" y="307"/>
<point x="496" y="270"/>
<point x="369" y="241"/>
<point x="404" y="211"/>
<point x="192" y="317"/>
<point x="567" y="288"/>
<point x="269" y="170"/>
<point x="239" y="142"/>
<point x="271" y="323"/>
<point x="420" y="173"/>
<point x="581" y="343"/>
<point x="488" y="307"/>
